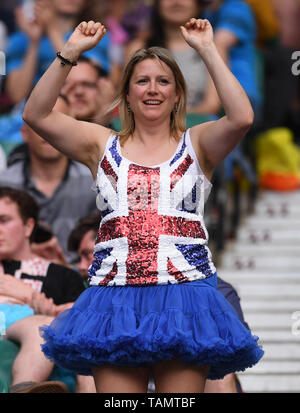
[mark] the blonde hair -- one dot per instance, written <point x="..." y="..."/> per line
<point x="177" y="116"/>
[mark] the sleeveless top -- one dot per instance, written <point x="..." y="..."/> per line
<point x="152" y="229"/>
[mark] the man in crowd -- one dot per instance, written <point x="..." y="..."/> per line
<point x="90" y="92"/>
<point x="61" y="187"/>
<point x="25" y="275"/>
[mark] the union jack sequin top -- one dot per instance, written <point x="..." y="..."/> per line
<point x="152" y="229"/>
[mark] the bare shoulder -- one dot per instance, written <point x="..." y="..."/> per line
<point x="98" y="135"/>
<point x="216" y="139"/>
<point x="198" y="134"/>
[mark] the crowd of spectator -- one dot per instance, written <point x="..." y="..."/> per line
<point x="256" y="39"/>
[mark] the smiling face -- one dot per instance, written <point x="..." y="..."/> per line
<point x="152" y="90"/>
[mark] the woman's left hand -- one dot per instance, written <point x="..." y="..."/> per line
<point x="198" y="33"/>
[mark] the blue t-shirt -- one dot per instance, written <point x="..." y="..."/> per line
<point x="237" y="17"/>
<point x="18" y="44"/>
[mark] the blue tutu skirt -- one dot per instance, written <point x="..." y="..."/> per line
<point x="142" y="325"/>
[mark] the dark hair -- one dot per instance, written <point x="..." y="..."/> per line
<point x="93" y="10"/>
<point x="27" y="206"/>
<point x="157" y="37"/>
<point x="90" y="222"/>
<point x="100" y="71"/>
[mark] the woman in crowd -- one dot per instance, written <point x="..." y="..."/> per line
<point x="152" y="303"/>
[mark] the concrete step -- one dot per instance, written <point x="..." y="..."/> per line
<point x="274" y="196"/>
<point x="274" y="236"/>
<point x="275" y="367"/>
<point x="252" y="277"/>
<point x="255" y="305"/>
<point x="263" y="223"/>
<point x="273" y="383"/>
<point x="276" y="336"/>
<point x="271" y="320"/>
<point x="281" y="351"/>
<point x="263" y="265"/>
<point x="281" y="208"/>
<point x="266" y="249"/>
<point x="272" y="292"/>
<point x="254" y="262"/>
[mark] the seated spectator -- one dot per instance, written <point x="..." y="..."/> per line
<point x="23" y="272"/>
<point x="89" y="92"/>
<point x="135" y="16"/>
<point x="31" y="50"/>
<point x="282" y="88"/>
<point x="125" y="20"/>
<point x="266" y="21"/>
<point x="288" y="13"/>
<point x="61" y="187"/>
<point x="82" y="241"/>
<point x="235" y="37"/>
<point x="167" y="16"/>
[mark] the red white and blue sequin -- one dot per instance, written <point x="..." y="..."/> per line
<point x="152" y="229"/>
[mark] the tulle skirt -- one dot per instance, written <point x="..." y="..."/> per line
<point x="142" y="325"/>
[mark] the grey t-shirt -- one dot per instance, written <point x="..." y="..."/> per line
<point x="194" y="72"/>
<point x="73" y="198"/>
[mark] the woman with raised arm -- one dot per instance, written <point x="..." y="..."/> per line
<point x="152" y="305"/>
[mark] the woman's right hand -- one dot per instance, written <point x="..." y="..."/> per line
<point x="85" y="37"/>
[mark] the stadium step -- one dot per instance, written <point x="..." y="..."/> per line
<point x="263" y="264"/>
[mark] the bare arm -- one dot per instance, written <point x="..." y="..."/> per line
<point x="43" y="305"/>
<point x="215" y="140"/>
<point x="81" y="141"/>
<point x="14" y="288"/>
<point x="211" y="104"/>
<point x="20" y="81"/>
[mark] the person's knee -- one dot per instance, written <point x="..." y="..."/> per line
<point x="28" y="327"/>
<point x="40" y="319"/>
